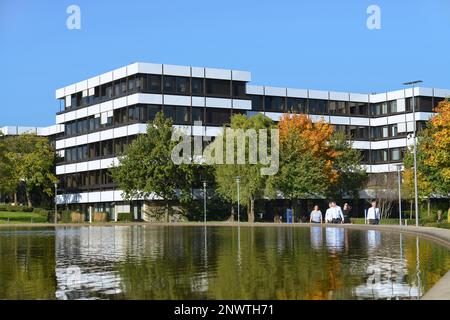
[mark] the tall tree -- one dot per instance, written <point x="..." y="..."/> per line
<point x="352" y="176"/>
<point x="306" y="157"/>
<point x="433" y="157"/>
<point x="29" y="159"/>
<point x="253" y="184"/>
<point x="146" y="169"/>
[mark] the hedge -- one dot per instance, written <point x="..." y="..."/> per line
<point x="125" y="216"/>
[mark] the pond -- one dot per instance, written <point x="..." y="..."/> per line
<point x="184" y="262"/>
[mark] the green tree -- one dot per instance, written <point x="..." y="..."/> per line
<point x="146" y="168"/>
<point x="253" y="185"/>
<point x="306" y="157"/>
<point x="30" y="159"/>
<point x="352" y="176"/>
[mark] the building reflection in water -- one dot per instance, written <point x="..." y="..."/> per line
<point x="84" y="261"/>
<point x="385" y="272"/>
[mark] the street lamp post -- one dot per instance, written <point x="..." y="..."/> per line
<point x="238" y="180"/>
<point x="399" y="178"/>
<point x="416" y="194"/>
<point x="204" y="201"/>
<point x="56" y="203"/>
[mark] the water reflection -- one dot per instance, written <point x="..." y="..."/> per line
<point x="152" y="262"/>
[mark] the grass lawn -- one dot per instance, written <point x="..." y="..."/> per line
<point x="21" y="217"/>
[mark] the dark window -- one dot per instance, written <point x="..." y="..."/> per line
<point x="377" y="109"/>
<point x="392" y="106"/>
<point x="153" y="83"/>
<point x="183" y="85"/>
<point x="217" y="116"/>
<point x="198" y="114"/>
<point x="338" y="107"/>
<point x="169" y="84"/>
<point x="216" y="87"/>
<point x="396" y="154"/>
<point x="152" y="110"/>
<point x="436" y="101"/>
<point x="409" y="104"/>
<point x="296" y="105"/>
<point x="358" y="108"/>
<point x="276" y="104"/>
<point x="179" y="115"/>
<point x="107" y="148"/>
<point x="257" y="103"/>
<point x="197" y="86"/>
<point x="316" y="106"/>
<point x="239" y="89"/>
<point x="426" y="104"/>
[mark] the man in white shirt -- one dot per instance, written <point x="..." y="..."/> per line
<point x="373" y="215"/>
<point x="329" y="213"/>
<point x="338" y="215"/>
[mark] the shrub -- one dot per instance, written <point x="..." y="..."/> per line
<point x="100" y="217"/>
<point x="76" y="217"/>
<point x="65" y="217"/>
<point x="125" y="216"/>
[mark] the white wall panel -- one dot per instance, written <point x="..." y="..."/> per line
<point x="151" y="68"/>
<point x="214" y="73"/>
<point x="173" y="70"/>
<point x="106" y="106"/>
<point x="396" y="119"/>
<point x="213" y="131"/>
<point x="60" y="170"/>
<point x="198" y="72"/>
<point x="119" y="103"/>
<point x="250" y="89"/>
<point x="297" y="93"/>
<point x="177" y="100"/>
<point x="340" y="96"/>
<point x="106" y="77"/>
<point x="93" y="110"/>
<point x="379" y="144"/>
<point x="59" y="93"/>
<point x="394" y="95"/>
<point x="93" y="137"/>
<point x="241" y="75"/>
<point x="82" y="113"/>
<point x="82" y="139"/>
<point x="93" y="82"/>
<point x="198" y="101"/>
<point x="361" y="144"/>
<point x="275" y="116"/>
<point x="82" y="166"/>
<point x="60" y="144"/>
<point x="60" y="118"/>
<point x="339" y="120"/>
<point x="120" y="132"/>
<point x="106" y="135"/>
<point x="218" y="103"/>
<point x="359" y="97"/>
<point x="357" y="121"/>
<point x="375" y="122"/>
<point x="397" y="143"/>
<point x="119" y="73"/>
<point x="242" y="104"/>
<point x="318" y="94"/>
<point x="94" y="165"/>
<point x="146" y="98"/>
<point x="275" y="91"/>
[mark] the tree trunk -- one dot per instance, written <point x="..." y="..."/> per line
<point x="448" y="214"/>
<point x="28" y="194"/>
<point x="15" y="198"/>
<point x="410" y="209"/>
<point x="166" y="214"/>
<point x="251" y="211"/>
<point x="429" y="208"/>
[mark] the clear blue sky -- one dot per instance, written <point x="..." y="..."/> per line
<point x="305" y="44"/>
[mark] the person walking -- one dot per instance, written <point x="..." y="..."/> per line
<point x="373" y="215"/>
<point x="337" y="215"/>
<point x="346" y="212"/>
<point x="315" y="215"/>
<point x="329" y="213"/>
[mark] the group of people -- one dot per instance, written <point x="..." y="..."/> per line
<point x="335" y="214"/>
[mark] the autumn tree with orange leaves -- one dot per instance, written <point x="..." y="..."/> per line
<point x="433" y="155"/>
<point x="306" y="157"/>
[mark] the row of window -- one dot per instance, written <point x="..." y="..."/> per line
<point x="158" y="84"/>
<point x="100" y="149"/>
<point x="331" y="107"/>
<point x="142" y="113"/>
<point x="382" y="155"/>
<point x="101" y="178"/>
<point x="95" y="179"/>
